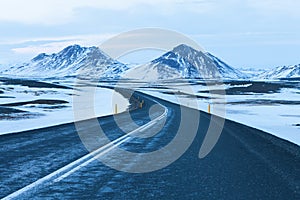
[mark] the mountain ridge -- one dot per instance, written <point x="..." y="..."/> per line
<point x="181" y="62"/>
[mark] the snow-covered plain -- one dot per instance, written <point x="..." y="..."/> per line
<point x="44" y="115"/>
<point x="277" y="113"/>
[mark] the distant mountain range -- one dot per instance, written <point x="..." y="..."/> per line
<point x="181" y="62"/>
<point x="292" y="71"/>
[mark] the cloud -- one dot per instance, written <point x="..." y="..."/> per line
<point x="87" y="39"/>
<point x="50" y="45"/>
<point x="45" y="48"/>
<point x="35" y="11"/>
<point x="276" y="7"/>
<point x="52" y="12"/>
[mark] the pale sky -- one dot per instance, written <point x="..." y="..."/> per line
<point x="244" y="33"/>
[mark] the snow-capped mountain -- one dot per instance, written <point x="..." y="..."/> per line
<point x="292" y="71"/>
<point x="182" y="62"/>
<point x="73" y="60"/>
<point x="185" y="62"/>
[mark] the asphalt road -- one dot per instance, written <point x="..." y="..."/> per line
<point x="245" y="163"/>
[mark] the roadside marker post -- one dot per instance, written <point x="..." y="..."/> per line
<point x="209" y="108"/>
<point x="116" y="109"/>
<point x="141" y="104"/>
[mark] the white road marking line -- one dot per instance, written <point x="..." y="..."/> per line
<point x="83" y="161"/>
<point x="89" y="161"/>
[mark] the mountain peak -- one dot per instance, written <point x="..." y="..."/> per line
<point x="75" y="47"/>
<point x="184" y="50"/>
<point x="41" y="56"/>
<point x="72" y="50"/>
<point x="182" y="46"/>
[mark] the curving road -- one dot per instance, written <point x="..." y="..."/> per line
<point x="52" y="163"/>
